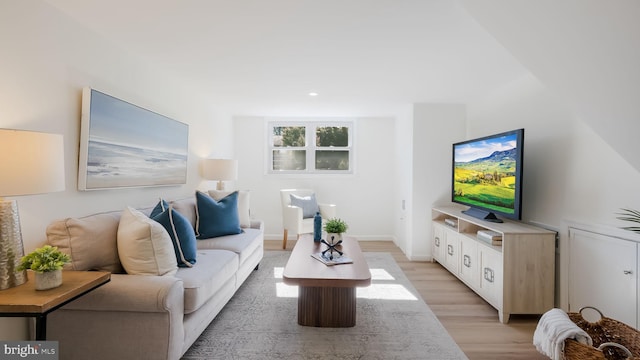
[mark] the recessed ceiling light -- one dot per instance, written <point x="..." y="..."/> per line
<point x="313" y="93"/>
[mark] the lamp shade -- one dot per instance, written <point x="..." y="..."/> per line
<point x="30" y="162"/>
<point x="220" y="169"/>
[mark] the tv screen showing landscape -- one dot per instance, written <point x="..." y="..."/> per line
<point x="487" y="172"/>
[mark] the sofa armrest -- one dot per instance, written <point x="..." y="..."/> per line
<point x="135" y="293"/>
<point x="257" y="224"/>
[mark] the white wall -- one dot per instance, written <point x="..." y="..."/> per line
<point x="403" y="177"/>
<point x="435" y="128"/>
<point x="548" y="135"/>
<point x="364" y="200"/>
<point x="46" y="60"/>
<point x="570" y="172"/>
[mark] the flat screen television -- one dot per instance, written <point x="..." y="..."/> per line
<point x="487" y="175"/>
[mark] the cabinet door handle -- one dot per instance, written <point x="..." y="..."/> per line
<point x="488" y="274"/>
<point x="450" y="250"/>
<point x="437" y="241"/>
<point x="466" y="261"/>
<point x="627" y="272"/>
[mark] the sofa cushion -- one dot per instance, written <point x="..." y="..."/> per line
<point x="242" y="244"/>
<point x="215" y="268"/>
<point x="186" y="207"/>
<point x="216" y="218"/>
<point x="243" y="204"/>
<point x="90" y="241"/>
<point x="144" y="246"/>
<point x="182" y="236"/>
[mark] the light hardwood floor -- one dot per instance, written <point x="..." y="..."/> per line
<point x="471" y="321"/>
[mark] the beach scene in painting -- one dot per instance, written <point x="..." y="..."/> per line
<point x="129" y="146"/>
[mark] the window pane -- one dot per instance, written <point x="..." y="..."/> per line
<point x="288" y="136"/>
<point x="332" y="136"/>
<point x="332" y="160"/>
<point x="289" y="160"/>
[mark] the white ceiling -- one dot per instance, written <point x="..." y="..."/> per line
<point x="349" y="51"/>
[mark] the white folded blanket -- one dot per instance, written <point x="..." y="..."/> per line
<point x="553" y="329"/>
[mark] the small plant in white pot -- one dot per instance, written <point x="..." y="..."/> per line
<point x="334" y="228"/>
<point x="47" y="263"/>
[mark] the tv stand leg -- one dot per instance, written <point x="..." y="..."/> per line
<point x="504" y="317"/>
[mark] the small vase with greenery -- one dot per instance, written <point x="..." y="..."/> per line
<point x="334" y="228"/>
<point x="47" y="262"/>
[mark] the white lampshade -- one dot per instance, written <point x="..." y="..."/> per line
<point x="220" y="169"/>
<point x="30" y="163"/>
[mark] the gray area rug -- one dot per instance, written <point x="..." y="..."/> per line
<point x="260" y="321"/>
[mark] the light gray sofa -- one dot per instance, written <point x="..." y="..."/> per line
<point x="141" y="316"/>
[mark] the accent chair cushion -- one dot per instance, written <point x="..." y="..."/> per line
<point x="216" y="218"/>
<point x="243" y="204"/>
<point x="308" y="204"/>
<point x="182" y="235"/>
<point x="144" y="246"/>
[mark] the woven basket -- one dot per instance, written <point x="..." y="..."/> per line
<point x="612" y="339"/>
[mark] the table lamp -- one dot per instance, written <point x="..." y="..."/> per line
<point x="30" y="163"/>
<point x="221" y="170"/>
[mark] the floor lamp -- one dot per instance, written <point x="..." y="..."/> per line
<point x="221" y="170"/>
<point x="30" y="163"/>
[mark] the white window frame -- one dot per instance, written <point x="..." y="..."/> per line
<point x="310" y="145"/>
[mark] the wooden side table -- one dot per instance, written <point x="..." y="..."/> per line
<point x="25" y="301"/>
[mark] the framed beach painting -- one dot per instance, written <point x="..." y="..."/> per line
<point x="123" y="145"/>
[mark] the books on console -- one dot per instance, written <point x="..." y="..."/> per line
<point x="489" y="236"/>
<point x="451" y="222"/>
<point x="337" y="259"/>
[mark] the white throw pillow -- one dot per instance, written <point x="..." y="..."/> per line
<point x="144" y="246"/>
<point x="243" y="204"/>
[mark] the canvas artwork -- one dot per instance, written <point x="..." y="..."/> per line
<point x="123" y="145"/>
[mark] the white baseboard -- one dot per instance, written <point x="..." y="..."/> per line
<point x="359" y="237"/>
<point x="375" y="238"/>
<point x="423" y="258"/>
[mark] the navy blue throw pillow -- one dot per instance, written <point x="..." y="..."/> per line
<point x="161" y="207"/>
<point x="217" y="218"/>
<point x="182" y="236"/>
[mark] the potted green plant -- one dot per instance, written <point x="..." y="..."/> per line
<point x="47" y="263"/>
<point x="334" y="228"/>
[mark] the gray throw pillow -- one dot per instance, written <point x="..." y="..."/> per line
<point x="308" y="204"/>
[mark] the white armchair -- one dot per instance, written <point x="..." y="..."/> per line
<point x="292" y="216"/>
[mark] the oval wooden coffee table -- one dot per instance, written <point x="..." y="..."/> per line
<point x="326" y="294"/>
